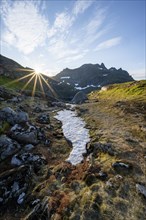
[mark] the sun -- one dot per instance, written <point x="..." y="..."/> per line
<point x="37" y="71"/>
<point x="36" y="77"/>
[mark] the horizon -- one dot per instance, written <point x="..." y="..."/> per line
<point x="74" y="33"/>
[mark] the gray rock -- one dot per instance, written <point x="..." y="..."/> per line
<point x="141" y="189"/>
<point x="9" y="115"/>
<point x="122" y="167"/>
<point x="7" y="147"/>
<point x="21" y="198"/>
<point x="22" y="117"/>
<point x="12" y="117"/>
<point x="27" y="158"/>
<point x="29" y="147"/>
<point x="37" y="109"/>
<point x="43" y="119"/>
<point x="79" y="98"/>
<point x="24" y="135"/>
<point x="59" y="104"/>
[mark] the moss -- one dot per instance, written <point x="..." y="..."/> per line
<point x="4" y="127"/>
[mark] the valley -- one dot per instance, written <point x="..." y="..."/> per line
<point x="38" y="183"/>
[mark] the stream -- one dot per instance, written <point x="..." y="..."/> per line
<point x="75" y="131"/>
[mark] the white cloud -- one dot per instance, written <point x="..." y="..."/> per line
<point x="26" y="27"/>
<point x="81" y="6"/>
<point x="62" y="24"/>
<point x="108" y="44"/>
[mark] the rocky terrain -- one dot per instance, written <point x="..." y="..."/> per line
<point x="36" y="181"/>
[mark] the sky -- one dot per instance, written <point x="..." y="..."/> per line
<point x="50" y="35"/>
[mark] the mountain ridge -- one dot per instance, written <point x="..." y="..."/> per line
<point x="86" y="78"/>
<point x="89" y="77"/>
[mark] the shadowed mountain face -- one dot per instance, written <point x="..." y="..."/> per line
<point x="90" y="77"/>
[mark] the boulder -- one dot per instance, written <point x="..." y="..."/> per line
<point x="7" y="147"/>
<point x="24" y="135"/>
<point x="12" y="117"/>
<point x="27" y="158"/>
<point x="79" y="98"/>
<point x="22" y="117"/>
<point x="9" y="115"/>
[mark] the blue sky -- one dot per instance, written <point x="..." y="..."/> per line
<point x="52" y="35"/>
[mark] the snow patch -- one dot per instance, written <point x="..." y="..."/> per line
<point x="65" y="77"/>
<point x="75" y="131"/>
<point x="105" y="74"/>
<point x="88" y="86"/>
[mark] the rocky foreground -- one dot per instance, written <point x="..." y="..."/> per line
<point x="36" y="182"/>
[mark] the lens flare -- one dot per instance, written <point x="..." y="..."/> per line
<point x="36" y="79"/>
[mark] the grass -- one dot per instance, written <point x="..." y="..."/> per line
<point x="125" y="91"/>
<point x="12" y="84"/>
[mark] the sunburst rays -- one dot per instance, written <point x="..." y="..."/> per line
<point x="36" y="79"/>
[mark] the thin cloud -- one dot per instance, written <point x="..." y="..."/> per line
<point x="108" y="44"/>
<point x="81" y="6"/>
<point x="26" y="27"/>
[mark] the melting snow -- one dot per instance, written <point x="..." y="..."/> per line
<point x="80" y="88"/>
<point x="74" y="130"/>
<point x="65" y="77"/>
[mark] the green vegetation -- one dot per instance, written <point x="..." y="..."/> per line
<point x="13" y="84"/>
<point x="125" y="91"/>
<point x="4" y="126"/>
<point x="7" y="82"/>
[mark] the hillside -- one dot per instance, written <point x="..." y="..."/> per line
<point x="90" y="77"/>
<point x="12" y="75"/>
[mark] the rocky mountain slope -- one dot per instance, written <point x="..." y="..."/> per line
<point x="36" y="181"/>
<point x="68" y="82"/>
<point x="90" y="77"/>
<point x="11" y="70"/>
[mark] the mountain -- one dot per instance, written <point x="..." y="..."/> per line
<point x="89" y="77"/>
<point x="11" y="70"/>
<point x="68" y="82"/>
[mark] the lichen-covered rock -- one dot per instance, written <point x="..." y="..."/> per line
<point x="24" y="134"/>
<point x="25" y="158"/>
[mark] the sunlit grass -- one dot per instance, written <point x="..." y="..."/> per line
<point x="125" y="91"/>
